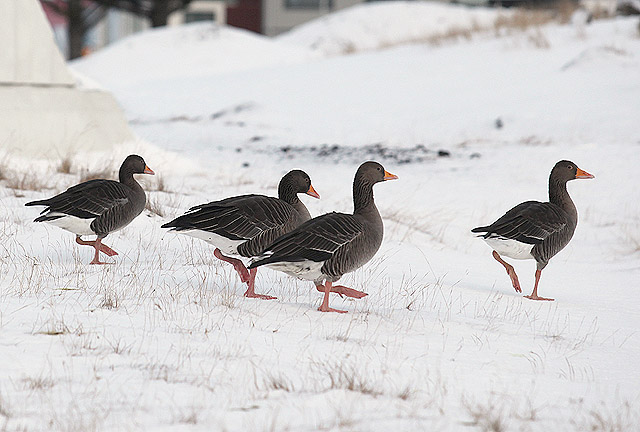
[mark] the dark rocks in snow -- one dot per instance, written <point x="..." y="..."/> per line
<point x="378" y="151"/>
<point x="499" y="123"/>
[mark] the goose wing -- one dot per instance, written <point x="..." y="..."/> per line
<point x="530" y="222"/>
<point x="87" y="200"/>
<point x="316" y="240"/>
<point x="257" y="219"/>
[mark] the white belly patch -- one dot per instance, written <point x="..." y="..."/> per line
<point x="73" y="224"/>
<point x="226" y="246"/>
<point x="307" y="270"/>
<point x="510" y="248"/>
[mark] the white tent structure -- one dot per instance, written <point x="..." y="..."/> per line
<point x="43" y="110"/>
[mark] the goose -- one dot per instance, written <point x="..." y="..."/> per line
<point x="326" y="247"/>
<point x="245" y="225"/>
<point x="98" y="207"/>
<point x="536" y="230"/>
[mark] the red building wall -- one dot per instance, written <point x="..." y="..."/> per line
<point x="246" y="14"/>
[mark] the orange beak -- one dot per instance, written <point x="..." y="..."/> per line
<point x="584" y="175"/>
<point x="312" y="192"/>
<point x="148" y="170"/>
<point x="389" y="176"/>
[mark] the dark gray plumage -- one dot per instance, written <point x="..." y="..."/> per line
<point x="98" y="206"/>
<point x="537" y="230"/>
<point x="325" y="248"/>
<point x="245" y="225"/>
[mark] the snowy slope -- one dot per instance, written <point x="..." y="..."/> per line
<point x="184" y="52"/>
<point x="164" y="340"/>
<point x="404" y="96"/>
<point x="371" y="26"/>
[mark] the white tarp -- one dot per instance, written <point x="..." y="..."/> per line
<point x="43" y="112"/>
<point x="29" y="54"/>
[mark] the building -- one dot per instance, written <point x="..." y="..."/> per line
<point x="269" y="17"/>
<point x="118" y="24"/>
<point x="282" y="15"/>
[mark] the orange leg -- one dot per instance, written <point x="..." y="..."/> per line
<point x="236" y="263"/>
<point x="99" y="247"/>
<point x="251" y="283"/>
<point x="534" y="294"/>
<point x="510" y="271"/>
<point x="342" y="290"/>
<point x="324" y="307"/>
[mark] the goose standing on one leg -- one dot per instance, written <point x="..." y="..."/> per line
<point x="324" y="248"/>
<point x="536" y="230"/>
<point x="245" y="225"/>
<point x="98" y="207"/>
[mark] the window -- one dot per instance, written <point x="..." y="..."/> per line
<point x="308" y="4"/>
<point x="199" y="16"/>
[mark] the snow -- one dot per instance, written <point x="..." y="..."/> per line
<point x="163" y="339"/>
<point x="160" y="54"/>
<point x="377" y="25"/>
<point x="402" y="96"/>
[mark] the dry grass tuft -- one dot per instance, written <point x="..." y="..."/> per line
<point x="521" y="20"/>
<point x="109" y="300"/>
<point x="487" y="417"/>
<point x="351" y="378"/>
<point x="188" y="418"/>
<point x="38" y="383"/>
<point x="406" y="393"/>
<point x="57" y="327"/>
<point x="276" y="382"/>
<point x="538" y="39"/>
<point x="26" y="181"/>
<point x="5" y="410"/>
<point x="516" y="20"/>
<point x="564" y="9"/>
<point x="452" y="34"/>
<point x="618" y="419"/>
<point x="65" y="165"/>
<point x="118" y="346"/>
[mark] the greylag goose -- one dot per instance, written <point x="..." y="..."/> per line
<point x="325" y="248"/>
<point x="98" y="207"/>
<point x="245" y="225"/>
<point x="536" y="230"/>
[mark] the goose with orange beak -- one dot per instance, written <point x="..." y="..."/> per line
<point x="536" y="230"/>
<point x="98" y="207"/>
<point x="243" y="226"/>
<point x="325" y="248"/>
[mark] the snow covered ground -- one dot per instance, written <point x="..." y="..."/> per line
<point x="164" y="340"/>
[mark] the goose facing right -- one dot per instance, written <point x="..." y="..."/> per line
<point x="326" y="247"/>
<point x="536" y="230"/>
<point x="243" y="226"/>
<point x="98" y="207"/>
